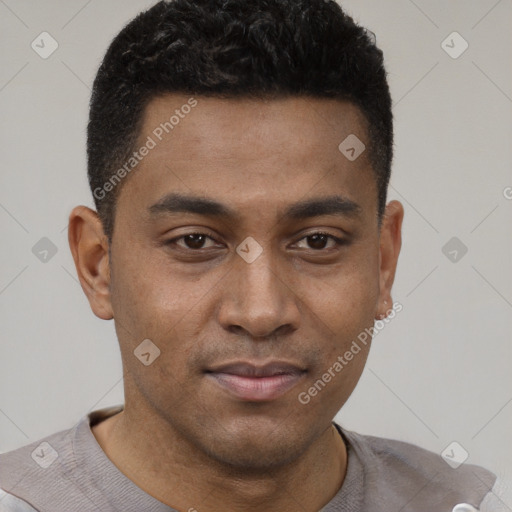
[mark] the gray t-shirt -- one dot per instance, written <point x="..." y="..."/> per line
<point x="69" y="472"/>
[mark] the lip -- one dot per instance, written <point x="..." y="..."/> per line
<point x="256" y="383"/>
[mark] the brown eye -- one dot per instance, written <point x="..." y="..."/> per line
<point x="319" y="241"/>
<point x="192" y="241"/>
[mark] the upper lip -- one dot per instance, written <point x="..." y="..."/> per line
<point x="247" y="369"/>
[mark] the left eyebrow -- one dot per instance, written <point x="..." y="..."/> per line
<point x="331" y="205"/>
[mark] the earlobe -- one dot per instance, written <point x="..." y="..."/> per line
<point x="390" y="244"/>
<point x="381" y="316"/>
<point x="89" y="247"/>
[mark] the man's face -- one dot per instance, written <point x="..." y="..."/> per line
<point x="217" y="315"/>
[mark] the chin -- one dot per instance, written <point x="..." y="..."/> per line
<point x="255" y="457"/>
<point x="256" y="445"/>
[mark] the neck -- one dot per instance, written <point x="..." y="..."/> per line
<point x="164" y="465"/>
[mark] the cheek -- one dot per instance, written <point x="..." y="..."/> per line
<point x="343" y="308"/>
<point x="152" y="299"/>
<point x="149" y="293"/>
<point x="344" y="297"/>
<point x="149" y="304"/>
<point x="344" y="315"/>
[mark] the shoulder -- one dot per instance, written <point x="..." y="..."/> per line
<point x="26" y="470"/>
<point x="10" y="503"/>
<point x="51" y="473"/>
<point x="399" y="469"/>
<point x="37" y="472"/>
<point x="499" y="498"/>
<point x="35" y="456"/>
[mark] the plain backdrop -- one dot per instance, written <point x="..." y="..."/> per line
<point x="438" y="373"/>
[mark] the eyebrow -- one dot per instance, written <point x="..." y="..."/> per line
<point x="180" y="203"/>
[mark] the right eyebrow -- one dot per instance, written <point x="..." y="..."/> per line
<point x="181" y="203"/>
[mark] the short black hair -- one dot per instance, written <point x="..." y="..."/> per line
<point x="227" y="49"/>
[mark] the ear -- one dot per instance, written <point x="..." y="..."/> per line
<point x="89" y="246"/>
<point x="389" y="249"/>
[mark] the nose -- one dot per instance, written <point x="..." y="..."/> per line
<point x="259" y="298"/>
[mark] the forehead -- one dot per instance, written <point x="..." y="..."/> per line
<point x="245" y="126"/>
<point x="237" y="150"/>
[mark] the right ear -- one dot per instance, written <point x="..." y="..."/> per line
<point x="89" y="247"/>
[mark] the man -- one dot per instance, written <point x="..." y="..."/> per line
<point x="239" y="154"/>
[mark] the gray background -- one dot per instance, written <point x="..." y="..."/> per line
<point x="438" y="373"/>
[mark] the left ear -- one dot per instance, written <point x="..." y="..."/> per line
<point x="389" y="249"/>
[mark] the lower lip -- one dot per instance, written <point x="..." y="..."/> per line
<point x="257" y="389"/>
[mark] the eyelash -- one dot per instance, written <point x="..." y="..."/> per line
<point x="339" y="241"/>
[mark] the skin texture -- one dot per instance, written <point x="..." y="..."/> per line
<point x="181" y="437"/>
